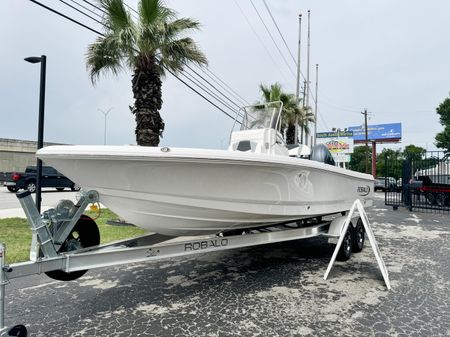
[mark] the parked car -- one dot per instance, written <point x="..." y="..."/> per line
<point x="15" y="181"/>
<point x="385" y="184"/>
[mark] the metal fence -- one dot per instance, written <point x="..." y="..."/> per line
<point x="422" y="182"/>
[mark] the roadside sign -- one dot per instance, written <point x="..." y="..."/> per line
<point x="378" y="132"/>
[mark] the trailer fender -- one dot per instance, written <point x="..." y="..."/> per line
<point x="336" y="227"/>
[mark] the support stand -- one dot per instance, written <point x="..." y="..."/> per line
<point x="357" y="205"/>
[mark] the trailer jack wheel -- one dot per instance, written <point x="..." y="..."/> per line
<point x="84" y="234"/>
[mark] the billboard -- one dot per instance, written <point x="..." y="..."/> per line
<point x="379" y="132"/>
<point x="340" y="147"/>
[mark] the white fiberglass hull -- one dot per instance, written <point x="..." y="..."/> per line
<point x="195" y="192"/>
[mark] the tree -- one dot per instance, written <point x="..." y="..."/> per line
<point x="358" y="159"/>
<point x="414" y="153"/>
<point x="150" y="46"/>
<point x="393" y="159"/>
<point x="443" y="137"/>
<point x="291" y="113"/>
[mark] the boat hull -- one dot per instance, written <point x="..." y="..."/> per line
<point x="195" y="192"/>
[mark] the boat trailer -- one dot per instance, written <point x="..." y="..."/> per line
<point x="55" y="253"/>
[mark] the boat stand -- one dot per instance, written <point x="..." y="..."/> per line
<point x="357" y="205"/>
<point x="51" y="229"/>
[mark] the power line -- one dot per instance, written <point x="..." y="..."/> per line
<point x="279" y="31"/>
<point x="273" y="40"/>
<point x="79" y="11"/>
<point x="196" y="82"/>
<point x="88" y="9"/>
<point x="129" y="7"/>
<point x="66" y="17"/>
<point x="201" y="95"/>
<point x="204" y="79"/>
<point x="95" y="6"/>
<point x="258" y="37"/>
<point x="224" y="86"/>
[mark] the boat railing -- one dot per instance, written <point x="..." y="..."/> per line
<point x="260" y="116"/>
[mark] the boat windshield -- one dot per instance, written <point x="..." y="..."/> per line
<point x="262" y="116"/>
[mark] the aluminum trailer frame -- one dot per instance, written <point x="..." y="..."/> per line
<point x="52" y="227"/>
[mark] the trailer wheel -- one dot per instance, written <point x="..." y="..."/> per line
<point x="345" y="251"/>
<point x="359" y="236"/>
<point x="441" y="199"/>
<point x="84" y="234"/>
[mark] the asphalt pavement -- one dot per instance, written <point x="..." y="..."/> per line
<point x="271" y="290"/>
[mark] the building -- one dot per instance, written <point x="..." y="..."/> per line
<point x="16" y="155"/>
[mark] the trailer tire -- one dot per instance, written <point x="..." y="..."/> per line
<point x="359" y="236"/>
<point x="345" y="251"/>
<point x="84" y="234"/>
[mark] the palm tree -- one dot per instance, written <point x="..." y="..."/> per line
<point x="291" y="113"/>
<point x="305" y="116"/>
<point x="152" y="45"/>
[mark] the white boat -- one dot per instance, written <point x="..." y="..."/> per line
<point x="183" y="191"/>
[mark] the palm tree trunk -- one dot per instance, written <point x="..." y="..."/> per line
<point x="146" y="82"/>
<point x="290" y="134"/>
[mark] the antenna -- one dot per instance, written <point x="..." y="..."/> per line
<point x="297" y="91"/>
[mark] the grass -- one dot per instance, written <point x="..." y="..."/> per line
<point x="16" y="234"/>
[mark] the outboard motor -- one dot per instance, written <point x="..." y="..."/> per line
<point x="321" y="154"/>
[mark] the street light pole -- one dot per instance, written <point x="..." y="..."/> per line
<point x="105" y="113"/>
<point x="40" y="143"/>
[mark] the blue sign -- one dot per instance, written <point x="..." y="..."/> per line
<point x="377" y="132"/>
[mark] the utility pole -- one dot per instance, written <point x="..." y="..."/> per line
<point x="367" y="140"/>
<point x="297" y="91"/>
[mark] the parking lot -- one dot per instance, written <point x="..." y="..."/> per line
<point x="10" y="206"/>
<point x="272" y="290"/>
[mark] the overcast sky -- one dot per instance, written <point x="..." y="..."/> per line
<point x="391" y="57"/>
